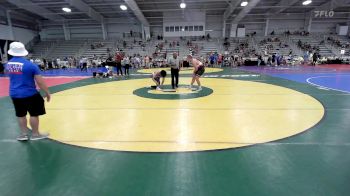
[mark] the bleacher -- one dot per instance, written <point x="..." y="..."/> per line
<point x="283" y="50"/>
<point x="170" y="50"/>
<point x="209" y="47"/>
<point x="41" y="49"/>
<point x="78" y="48"/>
<point x="314" y="42"/>
<point x="98" y="51"/>
<point x="133" y="47"/>
<point x="235" y="44"/>
<point x="64" y="49"/>
<point x="343" y="41"/>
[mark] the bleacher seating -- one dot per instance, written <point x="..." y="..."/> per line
<point x="314" y="42"/>
<point x="201" y="47"/>
<point x="279" y="47"/>
<point x="344" y="40"/>
<point x="98" y="51"/>
<point x="209" y="47"/>
<point x="236" y="48"/>
<point x="41" y="49"/>
<point x="64" y="49"/>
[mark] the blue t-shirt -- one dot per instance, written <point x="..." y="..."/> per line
<point x="21" y="73"/>
<point x="212" y="58"/>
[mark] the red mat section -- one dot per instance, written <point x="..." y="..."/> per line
<point x="50" y="81"/>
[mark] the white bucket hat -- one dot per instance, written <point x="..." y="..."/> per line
<point x="17" y="49"/>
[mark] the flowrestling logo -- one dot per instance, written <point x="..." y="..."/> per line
<point x="14" y="68"/>
<point x="324" y="14"/>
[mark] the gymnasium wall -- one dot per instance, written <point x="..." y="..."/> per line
<point x="20" y="34"/>
<point x="52" y="33"/>
<point x="156" y="30"/>
<point x="321" y="27"/>
<point x="187" y="18"/>
<point x="89" y="31"/>
<point x="212" y="25"/>
<point x="280" y="26"/>
<point x="116" y="30"/>
<point x="259" y="28"/>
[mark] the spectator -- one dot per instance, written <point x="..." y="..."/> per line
<point x="208" y="36"/>
<point x="126" y="64"/>
<point x="259" y="60"/>
<point x="1" y="67"/>
<point x="314" y="59"/>
<point x="118" y="60"/>
<point x="25" y="97"/>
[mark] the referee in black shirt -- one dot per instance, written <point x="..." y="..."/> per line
<point x="174" y="63"/>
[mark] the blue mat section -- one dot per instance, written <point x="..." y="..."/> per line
<point x="294" y="77"/>
<point x="323" y="77"/>
<point x="301" y="77"/>
<point x="287" y="69"/>
<point x="334" y="82"/>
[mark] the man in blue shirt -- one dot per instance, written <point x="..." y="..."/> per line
<point x="25" y="97"/>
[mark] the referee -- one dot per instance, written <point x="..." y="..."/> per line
<point x="174" y="63"/>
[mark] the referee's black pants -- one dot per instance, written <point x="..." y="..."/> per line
<point x="175" y="77"/>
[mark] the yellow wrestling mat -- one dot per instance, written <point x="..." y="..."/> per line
<point x="182" y="71"/>
<point x="237" y="113"/>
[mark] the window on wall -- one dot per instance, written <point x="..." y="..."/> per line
<point x="184" y="28"/>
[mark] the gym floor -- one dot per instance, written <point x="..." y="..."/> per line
<point x="250" y="131"/>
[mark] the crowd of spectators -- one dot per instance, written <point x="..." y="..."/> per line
<point x="307" y="47"/>
<point x="301" y="33"/>
<point x="97" y="45"/>
<point x="235" y="57"/>
<point x="243" y="49"/>
<point x="337" y="43"/>
<point x="270" y="46"/>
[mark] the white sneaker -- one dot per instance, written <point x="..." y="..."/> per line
<point x="23" y="137"/>
<point x="199" y="88"/>
<point x="158" y="89"/>
<point x="39" y="137"/>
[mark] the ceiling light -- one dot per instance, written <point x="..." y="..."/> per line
<point x="183" y="5"/>
<point x="66" y="9"/>
<point x="307" y="2"/>
<point x="123" y="7"/>
<point x="244" y="3"/>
